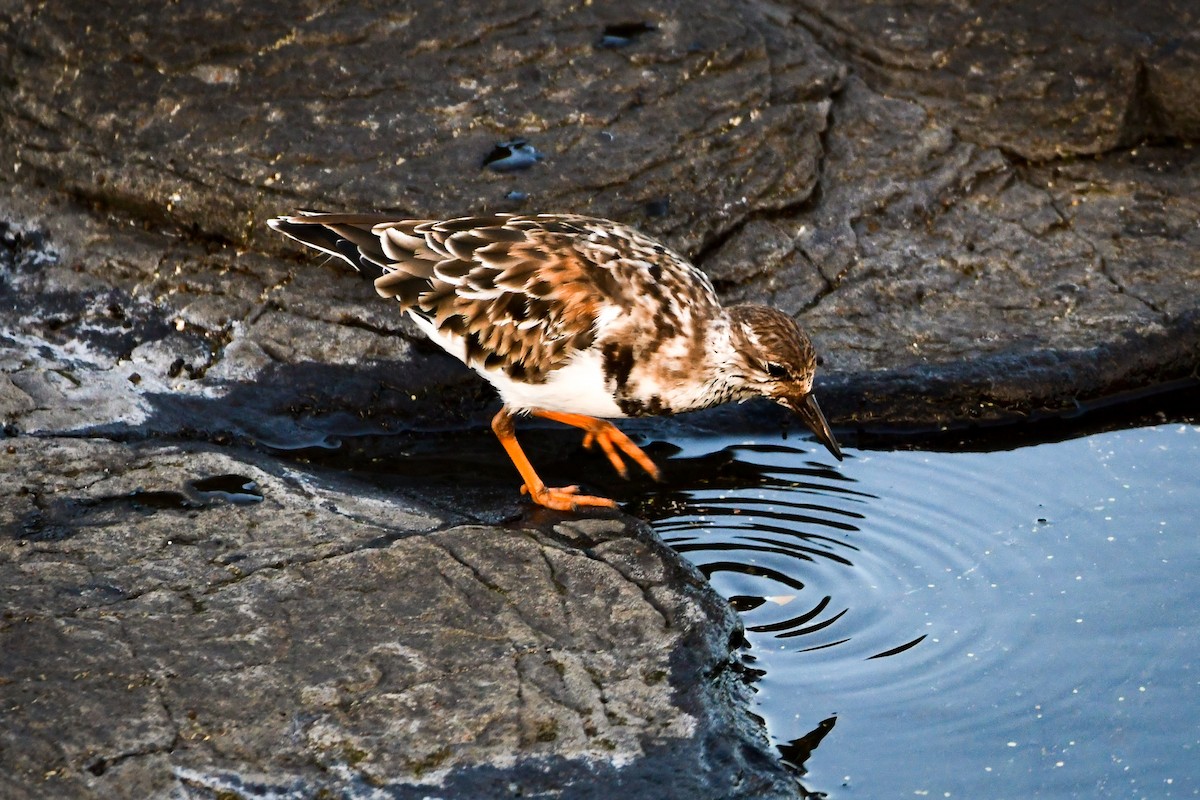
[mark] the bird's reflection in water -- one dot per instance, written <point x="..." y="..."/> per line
<point x="752" y="517"/>
<point x="765" y="523"/>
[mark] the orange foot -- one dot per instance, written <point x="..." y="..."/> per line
<point x="609" y="437"/>
<point x="566" y="498"/>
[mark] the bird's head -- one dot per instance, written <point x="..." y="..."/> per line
<point x="780" y="363"/>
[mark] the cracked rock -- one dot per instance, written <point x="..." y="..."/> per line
<point x="946" y="283"/>
<point x="328" y="638"/>
<point x="980" y="213"/>
<point x="1041" y="80"/>
<point x="889" y="182"/>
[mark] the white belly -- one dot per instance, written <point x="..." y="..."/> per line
<point x="577" y="387"/>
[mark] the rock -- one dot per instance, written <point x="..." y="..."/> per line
<point x="115" y="336"/>
<point x="978" y="218"/>
<point x="947" y="284"/>
<point x="931" y="257"/>
<point x="719" y="107"/>
<point x="1039" y="80"/>
<point x="303" y="634"/>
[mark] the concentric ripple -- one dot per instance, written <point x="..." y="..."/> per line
<point x="819" y="559"/>
<point x="976" y="605"/>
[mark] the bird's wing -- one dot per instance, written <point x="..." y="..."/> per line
<point x="524" y="293"/>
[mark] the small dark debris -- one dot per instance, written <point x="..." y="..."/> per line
<point x="135" y="378"/>
<point x="624" y="33"/>
<point x="176" y="368"/>
<point x="513" y="155"/>
<point x="658" y="208"/>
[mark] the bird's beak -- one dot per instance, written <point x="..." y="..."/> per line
<point x="807" y="409"/>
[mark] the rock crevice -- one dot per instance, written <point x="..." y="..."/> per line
<point x="981" y="215"/>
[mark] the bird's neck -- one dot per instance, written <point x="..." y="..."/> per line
<point x="725" y="364"/>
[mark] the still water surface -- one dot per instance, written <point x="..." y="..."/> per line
<point x="976" y="625"/>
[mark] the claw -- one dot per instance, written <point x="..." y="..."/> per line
<point x="566" y="498"/>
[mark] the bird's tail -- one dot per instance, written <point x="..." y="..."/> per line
<point x="345" y="236"/>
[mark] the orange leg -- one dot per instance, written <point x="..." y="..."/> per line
<point x="608" y="436"/>
<point x="566" y="498"/>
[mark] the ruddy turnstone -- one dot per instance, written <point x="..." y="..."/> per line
<point x="572" y="319"/>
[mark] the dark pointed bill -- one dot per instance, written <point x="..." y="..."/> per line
<point x="807" y="409"/>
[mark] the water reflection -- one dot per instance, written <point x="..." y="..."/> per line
<point x="976" y="624"/>
<point x="947" y="624"/>
<point x="770" y="507"/>
<point x="796" y="752"/>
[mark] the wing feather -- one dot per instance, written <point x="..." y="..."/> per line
<point x="522" y="292"/>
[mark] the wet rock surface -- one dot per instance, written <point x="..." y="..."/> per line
<point x="183" y="621"/>
<point x="981" y="213"/>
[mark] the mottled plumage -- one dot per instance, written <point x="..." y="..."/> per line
<point x="572" y="317"/>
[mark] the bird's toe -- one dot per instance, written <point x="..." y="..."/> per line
<point x="566" y="498"/>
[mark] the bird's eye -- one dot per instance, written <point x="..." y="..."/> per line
<point x="777" y="371"/>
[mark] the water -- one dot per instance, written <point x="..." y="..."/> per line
<point x="977" y="625"/>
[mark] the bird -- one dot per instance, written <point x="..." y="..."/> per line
<point x="574" y="319"/>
